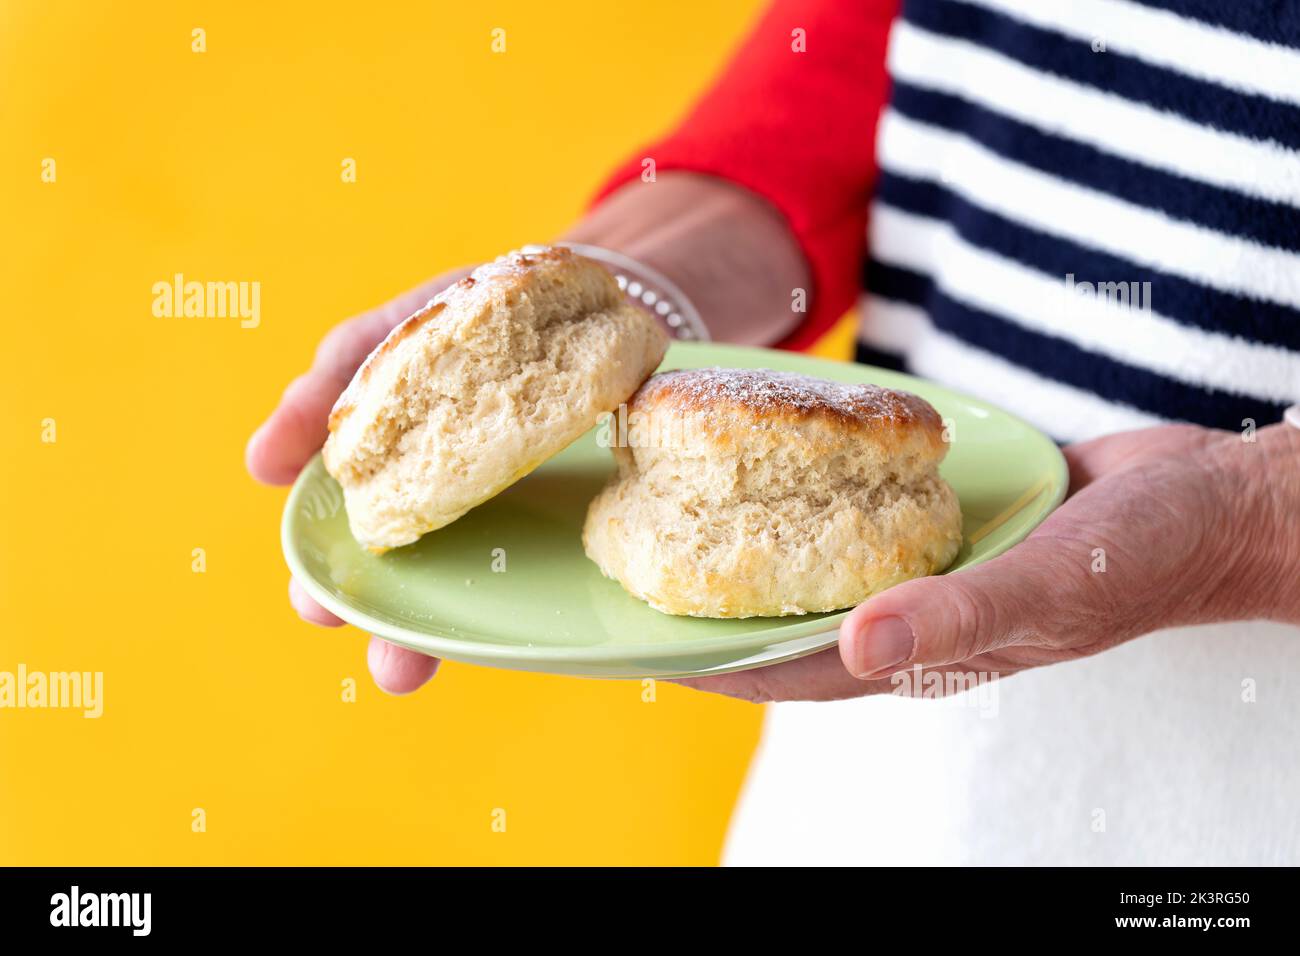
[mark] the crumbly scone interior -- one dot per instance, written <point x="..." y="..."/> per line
<point x="709" y="502"/>
<point x="518" y="363"/>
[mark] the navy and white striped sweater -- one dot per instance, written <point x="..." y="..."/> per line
<point x="1043" y="160"/>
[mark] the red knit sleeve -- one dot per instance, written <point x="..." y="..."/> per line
<point x="793" y="119"/>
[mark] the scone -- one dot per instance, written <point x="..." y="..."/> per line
<point x="743" y="493"/>
<point x="491" y="378"/>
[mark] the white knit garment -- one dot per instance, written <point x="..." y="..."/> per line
<point x="1147" y="754"/>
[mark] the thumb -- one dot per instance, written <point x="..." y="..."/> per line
<point x="947" y="619"/>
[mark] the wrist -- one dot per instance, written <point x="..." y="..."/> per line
<point x="728" y="250"/>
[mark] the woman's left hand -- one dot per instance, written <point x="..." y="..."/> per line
<point x="1165" y="526"/>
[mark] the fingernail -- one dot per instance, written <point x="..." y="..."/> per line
<point x="881" y="646"/>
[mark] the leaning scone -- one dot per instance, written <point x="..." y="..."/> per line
<point x="491" y="378"/>
<point x="744" y="493"/>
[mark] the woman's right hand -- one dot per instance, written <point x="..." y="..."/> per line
<point x="297" y="428"/>
<point x="727" y="250"/>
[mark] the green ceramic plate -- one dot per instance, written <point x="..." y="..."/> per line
<point x="551" y="610"/>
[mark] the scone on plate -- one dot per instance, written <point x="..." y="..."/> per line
<point x="744" y="493"/>
<point x="491" y="378"/>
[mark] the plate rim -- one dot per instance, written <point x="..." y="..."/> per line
<point x="453" y="648"/>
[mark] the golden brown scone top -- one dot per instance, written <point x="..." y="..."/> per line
<point x="731" y="400"/>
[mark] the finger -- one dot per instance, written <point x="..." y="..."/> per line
<point x="308" y="609"/>
<point x="819" y="676"/>
<point x="298" y="426"/>
<point x="397" y="670"/>
<point x="946" y="619"/>
<point x="286" y="441"/>
<point x="823" y="676"/>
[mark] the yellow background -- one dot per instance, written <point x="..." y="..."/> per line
<point x="225" y="165"/>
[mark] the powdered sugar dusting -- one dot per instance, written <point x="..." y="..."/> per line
<point x="770" y="393"/>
